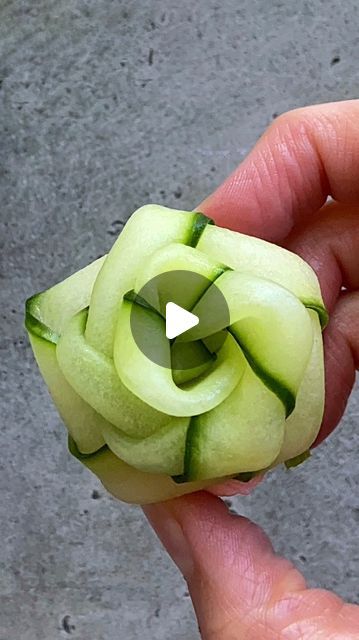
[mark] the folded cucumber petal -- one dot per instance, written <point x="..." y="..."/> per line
<point x="257" y="257"/>
<point x="81" y="420"/>
<point x="161" y="452"/>
<point x="93" y="376"/>
<point x="247" y="429"/>
<point x="303" y="424"/>
<point x="47" y="312"/>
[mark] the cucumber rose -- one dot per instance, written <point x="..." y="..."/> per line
<point x="253" y="395"/>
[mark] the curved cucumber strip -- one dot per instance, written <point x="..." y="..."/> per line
<point x="128" y="254"/>
<point x="93" y="376"/>
<point x="161" y="452"/>
<point x="265" y="260"/>
<point x="159" y="390"/>
<point x="48" y="312"/>
<point x="270" y="324"/>
<point x="130" y="485"/>
<point x="177" y="257"/>
<point x="81" y="420"/>
<point x="302" y="426"/>
<point x="248" y="429"/>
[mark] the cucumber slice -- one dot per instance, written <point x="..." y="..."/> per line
<point x="93" y="376"/>
<point x="81" y="420"/>
<point x="130" y="485"/>
<point x="162" y="452"/>
<point x="247" y="429"/>
<point x="148" y="229"/>
<point x="154" y="384"/>
<point x="302" y="427"/>
<point x="265" y="260"/>
<point x="270" y="324"/>
<point x="48" y="312"/>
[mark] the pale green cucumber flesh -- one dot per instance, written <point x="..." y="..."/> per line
<point x="161" y="452"/>
<point x="303" y="424"/>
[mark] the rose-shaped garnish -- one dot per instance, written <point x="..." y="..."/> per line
<point x="152" y="431"/>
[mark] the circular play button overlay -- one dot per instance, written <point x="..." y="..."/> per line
<point x="178" y="320"/>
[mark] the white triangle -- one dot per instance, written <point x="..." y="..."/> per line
<point x="178" y="320"/>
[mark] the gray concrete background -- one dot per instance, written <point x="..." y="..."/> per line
<point x="106" y="105"/>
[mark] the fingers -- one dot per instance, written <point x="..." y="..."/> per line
<point x="303" y="157"/>
<point x="341" y="348"/>
<point x="239" y="587"/>
<point x="330" y="243"/>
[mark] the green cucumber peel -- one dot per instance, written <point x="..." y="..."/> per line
<point x="187" y="474"/>
<point x="320" y="310"/>
<point x="36" y="326"/>
<point x="246" y="476"/>
<point x="279" y="388"/>
<point x="75" y="451"/>
<point x="297" y="460"/>
<point x="199" y="224"/>
<point x="135" y="298"/>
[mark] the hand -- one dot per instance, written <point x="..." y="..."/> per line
<point x="240" y="588"/>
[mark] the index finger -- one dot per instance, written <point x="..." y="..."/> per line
<point x="305" y="156"/>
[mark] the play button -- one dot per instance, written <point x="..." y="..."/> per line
<point x="162" y="310"/>
<point x="178" y="320"/>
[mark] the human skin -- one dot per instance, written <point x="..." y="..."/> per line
<point x="242" y="590"/>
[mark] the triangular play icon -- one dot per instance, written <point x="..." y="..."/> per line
<point x="178" y="320"/>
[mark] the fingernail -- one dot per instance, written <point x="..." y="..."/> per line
<point x="171" y="534"/>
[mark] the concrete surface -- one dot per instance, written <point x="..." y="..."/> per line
<point x="105" y="105"/>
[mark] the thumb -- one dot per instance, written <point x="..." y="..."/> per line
<point x="239" y="587"/>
